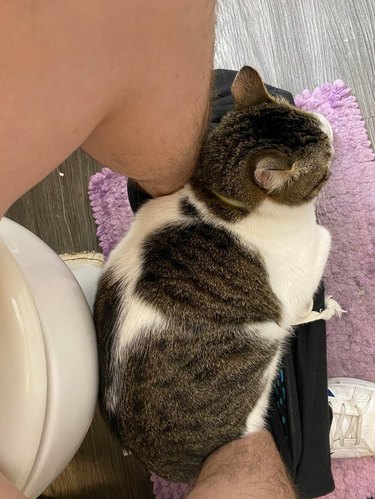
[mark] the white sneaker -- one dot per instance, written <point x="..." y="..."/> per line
<point x="352" y="431"/>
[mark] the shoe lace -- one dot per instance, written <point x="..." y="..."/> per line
<point x="354" y="422"/>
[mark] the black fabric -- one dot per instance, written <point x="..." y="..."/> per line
<point x="309" y="370"/>
<point x="305" y="450"/>
<point x="137" y="196"/>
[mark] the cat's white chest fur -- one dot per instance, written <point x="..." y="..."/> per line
<point x="294" y="249"/>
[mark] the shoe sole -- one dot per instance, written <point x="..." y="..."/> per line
<point x="351" y="381"/>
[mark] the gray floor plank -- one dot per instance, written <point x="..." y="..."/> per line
<point x="100" y="471"/>
<point x="299" y="44"/>
<point x="57" y="210"/>
<point x="370" y="125"/>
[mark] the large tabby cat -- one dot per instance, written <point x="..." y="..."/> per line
<point x="198" y="300"/>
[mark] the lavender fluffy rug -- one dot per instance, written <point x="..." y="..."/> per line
<point x="347" y="209"/>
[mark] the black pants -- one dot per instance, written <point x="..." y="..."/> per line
<point x="303" y="436"/>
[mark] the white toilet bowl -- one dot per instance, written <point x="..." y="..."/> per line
<point x="48" y="361"/>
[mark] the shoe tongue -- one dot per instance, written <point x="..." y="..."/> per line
<point x="347" y="407"/>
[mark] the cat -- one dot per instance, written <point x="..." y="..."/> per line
<point x="197" y="302"/>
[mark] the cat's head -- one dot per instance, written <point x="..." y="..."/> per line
<point x="264" y="148"/>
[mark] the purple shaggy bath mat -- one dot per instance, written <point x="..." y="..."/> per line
<point x="347" y="209"/>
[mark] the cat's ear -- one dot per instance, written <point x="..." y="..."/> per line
<point x="272" y="173"/>
<point x="248" y="89"/>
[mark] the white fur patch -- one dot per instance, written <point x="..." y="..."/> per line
<point x="140" y="316"/>
<point x="269" y="331"/>
<point x="294" y="249"/>
<point x="255" y="420"/>
<point x="325" y="125"/>
<point x="125" y="265"/>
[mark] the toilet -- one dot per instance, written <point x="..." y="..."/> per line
<point x="48" y="361"/>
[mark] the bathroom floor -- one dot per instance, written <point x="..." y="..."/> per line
<point x="295" y="44"/>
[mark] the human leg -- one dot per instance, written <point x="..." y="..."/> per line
<point x="250" y="468"/>
<point x="128" y="80"/>
<point x="120" y="77"/>
<point x="155" y="133"/>
<point x="8" y="490"/>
